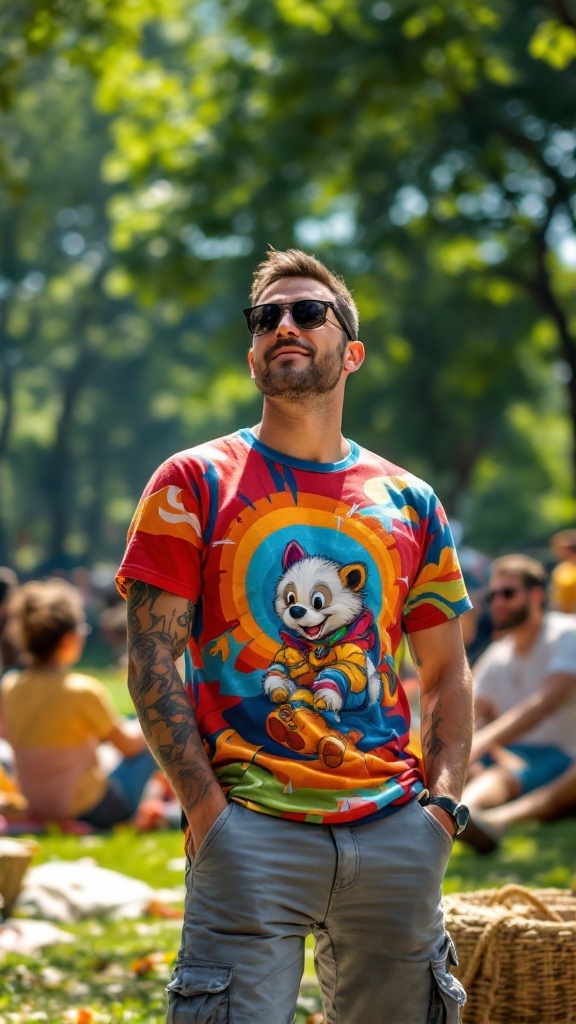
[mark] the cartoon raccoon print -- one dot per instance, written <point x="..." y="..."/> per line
<point x="327" y="632"/>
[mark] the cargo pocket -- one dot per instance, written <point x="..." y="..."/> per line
<point x="448" y="995"/>
<point x="199" y="993"/>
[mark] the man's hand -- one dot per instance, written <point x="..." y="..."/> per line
<point x="203" y="818"/>
<point x="442" y="816"/>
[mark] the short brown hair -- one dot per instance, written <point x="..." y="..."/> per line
<point x="564" y="539"/>
<point x="295" y="263"/>
<point x="46" y="611"/>
<point x="530" y="570"/>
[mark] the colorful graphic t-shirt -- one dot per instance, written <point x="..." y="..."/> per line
<point x="305" y="575"/>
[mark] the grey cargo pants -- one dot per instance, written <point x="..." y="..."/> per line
<point x="370" y="895"/>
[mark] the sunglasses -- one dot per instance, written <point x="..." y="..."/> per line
<point x="307" y="314"/>
<point x="506" y="592"/>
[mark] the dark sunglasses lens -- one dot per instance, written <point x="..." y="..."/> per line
<point x="265" y="318"/>
<point x="309" y="313"/>
<point x="507" y="593"/>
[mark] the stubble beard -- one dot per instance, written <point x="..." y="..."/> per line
<point x="513" y="618"/>
<point x="316" y="378"/>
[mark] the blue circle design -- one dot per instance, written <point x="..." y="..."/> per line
<point x="265" y="568"/>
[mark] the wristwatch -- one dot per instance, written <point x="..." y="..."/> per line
<point x="457" y="810"/>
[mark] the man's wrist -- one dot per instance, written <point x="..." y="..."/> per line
<point x="444" y="818"/>
<point x="449" y="807"/>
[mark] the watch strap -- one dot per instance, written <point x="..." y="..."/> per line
<point x="447" y="803"/>
<point x="457" y="810"/>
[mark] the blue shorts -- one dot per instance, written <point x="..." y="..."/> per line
<point x="541" y="764"/>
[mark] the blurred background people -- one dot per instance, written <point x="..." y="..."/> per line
<point x="113" y="631"/>
<point x="476" y="623"/>
<point x="55" y="718"/>
<point x="525" y="691"/>
<point x="563" y="577"/>
<point x="10" y="651"/>
<point x="557" y="799"/>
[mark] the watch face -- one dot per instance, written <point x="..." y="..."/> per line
<point x="461" y="816"/>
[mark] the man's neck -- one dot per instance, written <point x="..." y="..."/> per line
<point x="526" y="635"/>
<point x="312" y="434"/>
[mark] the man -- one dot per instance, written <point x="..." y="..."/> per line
<point x="289" y="560"/>
<point x="563" y="577"/>
<point x="525" y="689"/>
<point x="556" y="799"/>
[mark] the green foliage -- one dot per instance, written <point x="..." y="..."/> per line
<point x="554" y="43"/>
<point x="152" y="151"/>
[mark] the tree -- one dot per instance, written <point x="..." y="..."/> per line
<point x="424" y="150"/>
<point x="88" y="376"/>
<point x="430" y="146"/>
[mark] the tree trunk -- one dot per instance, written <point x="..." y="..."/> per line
<point x="60" y="498"/>
<point x="94" y="517"/>
<point x="7" y="364"/>
<point x="59" y="485"/>
<point x="551" y="306"/>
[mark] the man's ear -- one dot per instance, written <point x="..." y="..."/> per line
<point x="354" y="356"/>
<point x="251" y="362"/>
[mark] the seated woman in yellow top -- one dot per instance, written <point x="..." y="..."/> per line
<point x="54" y="719"/>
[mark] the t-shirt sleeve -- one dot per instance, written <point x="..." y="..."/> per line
<point x="564" y="654"/>
<point x="437" y="593"/>
<point x="165" y="540"/>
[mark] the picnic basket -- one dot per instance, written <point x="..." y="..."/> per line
<point x="517" y="952"/>
<point x="15" y="857"/>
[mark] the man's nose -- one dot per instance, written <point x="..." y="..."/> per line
<point x="287" y="325"/>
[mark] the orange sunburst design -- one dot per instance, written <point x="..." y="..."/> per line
<point x="256" y="525"/>
<point x="164" y="513"/>
<point x="357" y="768"/>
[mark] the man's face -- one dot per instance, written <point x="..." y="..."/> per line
<point x="293" y="362"/>
<point x="512" y="601"/>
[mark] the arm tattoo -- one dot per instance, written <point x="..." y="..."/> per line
<point x="431" y="741"/>
<point x="159" y="627"/>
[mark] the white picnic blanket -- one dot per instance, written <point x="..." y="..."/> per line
<point x="25" y="937"/>
<point x="67" y="891"/>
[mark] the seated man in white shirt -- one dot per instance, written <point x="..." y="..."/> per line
<point x="525" y="694"/>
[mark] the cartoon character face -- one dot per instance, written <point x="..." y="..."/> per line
<point x="315" y="595"/>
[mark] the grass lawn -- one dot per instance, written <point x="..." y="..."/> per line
<point x="110" y="973"/>
<point x="98" y="978"/>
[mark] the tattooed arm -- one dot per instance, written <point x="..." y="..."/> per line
<point x="445" y="710"/>
<point x="159" y="625"/>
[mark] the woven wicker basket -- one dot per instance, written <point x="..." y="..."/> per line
<point x="15" y="856"/>
<point x="517" y="952"/>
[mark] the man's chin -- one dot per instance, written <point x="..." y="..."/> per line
<point x="293" y="384"/>
<point x="510" y="623"/>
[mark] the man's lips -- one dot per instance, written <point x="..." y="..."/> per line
<point x="288" y="353"/>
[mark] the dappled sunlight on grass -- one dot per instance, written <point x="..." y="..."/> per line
<point x="116" y="972"/>
<point x="533" y="855"/>
<point x="147" y="856"/>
